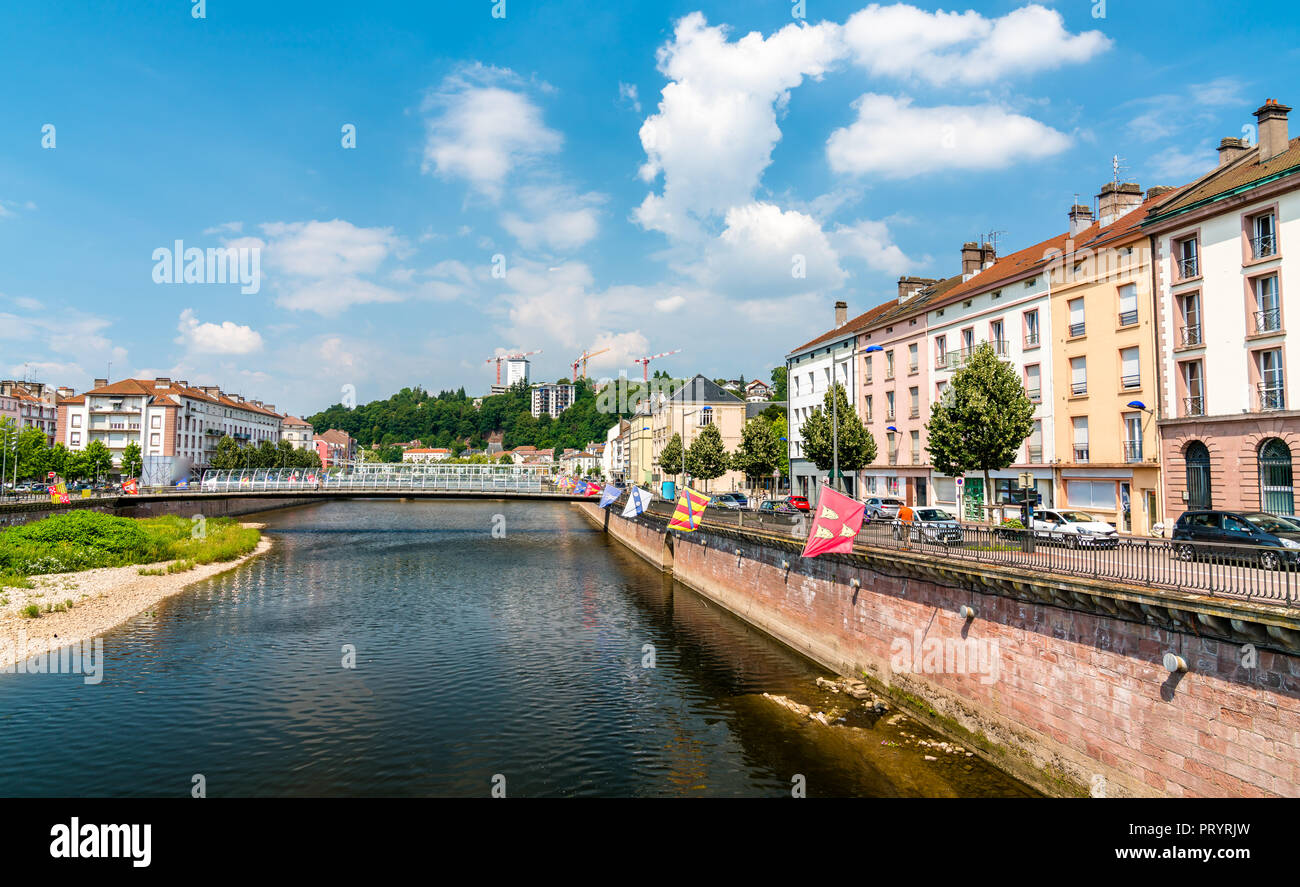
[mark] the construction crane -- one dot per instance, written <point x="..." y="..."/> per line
<point x="582" y="359"/>
<point x="516" y="356"/>
<point x="645" y="362"/>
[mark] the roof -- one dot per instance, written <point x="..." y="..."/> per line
<point x="295" y="421"/>
<point x="428" y="450"/>
<point x="1241" y="173"/>
<point x="703" y="390"/>
<point x="166" y="395"/>
<point x="853" y="325"/>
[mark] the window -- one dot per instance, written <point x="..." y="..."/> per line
<point x="889" y="364"/>
<point x="1128" y="304"/>
<point x="706" y="416"/>
<point x="1130" y="373"/>
<point x="1031" y="329"/>
<point x="967" y="341"/>
<point x="1271" y="387"/>
<point x="1091" y="494"/>
<point x="155" y="440"/>
<point x="76" y="438"/>
<point x="1194" y="385"/>
<point x="1132" y="437"/>
<point x="997" y="337"/>
<point x="1077" y="325"/>
<point x="867" y="369"/>
<point x="891" y="447"/>
<point x="1078" y="376"/>
<point x="945" y="490"/>
<point x="1036" y="443"/>
<point x="940" y="352"/>
<point x="1197" y="458"/>
<point x="1268" y="316"/>
<point x="1080" y="424"/>
<point x="915" y="411"/>
<point x="76" y="420"/>
<point x="868" y="407"/>
<point x="1263" y="236"/>
<point x="889" y="405"/>
<point x="1033" y="383"/>
<point x="939" y="389"/>
<point x="912" y="358"/>
<point x="1275" y="490"/>
<point x="1189" y="312"/>
<point x="155" y="421"/>
<point x="1186" y="257"/>
<point x="916" y="448"/>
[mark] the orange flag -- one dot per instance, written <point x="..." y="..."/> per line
<point x="689" y="509"/>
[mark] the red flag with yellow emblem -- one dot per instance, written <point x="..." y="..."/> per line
<point x="837" y="521"/>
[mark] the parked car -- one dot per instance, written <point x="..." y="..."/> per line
<point x="928" y="525"/>
<point x="777" y="506"/>
<point x="1075" y="529"/>
<point x="730" y="500"/>
<point x="883" y="508"/>
<point x="799" y="503"/>
<point x="1261" y="538"/>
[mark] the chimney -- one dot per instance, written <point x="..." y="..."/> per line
<point x="841" y="314"/>
<point x="1158" y="190"/>
<point x="100" y="383"/>
<point x="1230" y="149"/>
<point x="162" y="382"/>
<point x="1080" y="218"/>
<point x="1116" y="200"/>
<point x="183" y="383"/>
<point x="910" y="286"/>
<point x="65" y="391"/>
<point x="972" y="258"/>
<point x="211" y="390"/>
<point x="1273" y="138"/>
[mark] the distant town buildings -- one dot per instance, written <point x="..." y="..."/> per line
<point x="426" y="454"/>
<point x="335" y="448"/>
<point x="297" y="432"/>
<point x="551" y="399"/>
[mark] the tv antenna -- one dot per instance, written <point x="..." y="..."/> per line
<point x="992" y="237"/>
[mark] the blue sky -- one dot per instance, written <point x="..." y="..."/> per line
<point x="650" y="174"/>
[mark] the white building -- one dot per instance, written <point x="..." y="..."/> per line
<point x="809" y="373"/>
<point x="426" y="454"/>
<point x="551" y="399"/>
<point x="517" y="370"/>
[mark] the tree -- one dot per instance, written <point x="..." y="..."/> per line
<point x="97" y="459"/>
<point x="857" y="448"/>
<point x="760" y="451"/>
<point x="705" y="457"/>
<point x="132" y="460"/>
<point x="670" y="457"/>
<point x="33" y="454"/>
<point x="983" y="418"/>
<point x="779" y="381"/>
<point x="229" y="455"/>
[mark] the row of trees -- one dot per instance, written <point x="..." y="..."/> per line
<point x="28" y="456"/>
<point x="230" y="455"/>
<point x="760" y="453"/>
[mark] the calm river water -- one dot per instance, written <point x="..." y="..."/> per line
<point x="476" y="658"/>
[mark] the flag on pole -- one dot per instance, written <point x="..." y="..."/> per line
<point x="581" y="488"/>
<point x="594" y="489"/>
<point x="130" y="487"/>
<point x="610" y="495"/>
<point x="690" y="507"/>
<point x="837" y="522"/>
<point x="638" y="500"/>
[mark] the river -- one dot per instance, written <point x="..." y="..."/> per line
<point x="516" y="658"/>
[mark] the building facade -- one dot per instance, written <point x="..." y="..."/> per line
<point x="809" y="372"/>
<point x="298" y="433"/>
<point x="1226" y="284"/>
<point x="551" y="399"/>
<point x="686" y="412"/>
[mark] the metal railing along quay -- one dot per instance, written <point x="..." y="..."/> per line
<point x="1256" y="574"/>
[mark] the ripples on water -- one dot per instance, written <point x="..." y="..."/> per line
<point x="475" y="657"/>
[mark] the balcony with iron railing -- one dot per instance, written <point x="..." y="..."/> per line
<point x="1128" y="318"/>
<point x="1080" y="453"/>
<point x="1035" y="395"/>
<point x="1263" y="245"/>
<point x="1078" y="389"/>
<point x="1271" y="397"/>
<point x="914" y="413"/>
<point x="889" y="416"/>
<point x="941" y="360"/>
<point x="1132" y="451"/>
<point x="1268" y="321"/>
<point x="1189" y="268"/>
<point x="1078" y="329"/>
<point x="1191" y="335"/>
<point x="1131" y="381"/>
<point x="1194" y="406"/>
<point x="1031" y="339"/>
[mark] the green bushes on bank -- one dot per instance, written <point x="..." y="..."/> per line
<point x="84" y="540"/>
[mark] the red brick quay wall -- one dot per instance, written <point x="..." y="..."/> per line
<point x="1060" y="681"/>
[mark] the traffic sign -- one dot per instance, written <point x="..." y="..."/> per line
<point x="1026" y="480"/>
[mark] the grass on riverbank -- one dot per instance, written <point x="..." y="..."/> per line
<point x="85" y="540"/>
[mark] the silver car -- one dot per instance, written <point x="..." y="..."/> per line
<point x="930" y="525"/>
<point x="883" y="508"/>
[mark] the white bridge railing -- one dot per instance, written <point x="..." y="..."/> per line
<point x="382" y="476"/>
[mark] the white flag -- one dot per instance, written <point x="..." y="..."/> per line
<point x="638" y="500"/>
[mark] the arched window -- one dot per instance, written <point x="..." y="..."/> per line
<point x="1197" y="457"/>
<point x="1275" y="493"/>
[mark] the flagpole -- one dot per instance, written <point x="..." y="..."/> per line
<point x="835" y="428"/>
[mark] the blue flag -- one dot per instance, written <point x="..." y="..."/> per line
<point x="581" y="488"/>
<point x="608" y="497"/>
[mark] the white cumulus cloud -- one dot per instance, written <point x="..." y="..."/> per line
<point x="226" y="337"/>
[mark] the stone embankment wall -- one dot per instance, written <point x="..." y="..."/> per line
<point x="1059" y="681"/>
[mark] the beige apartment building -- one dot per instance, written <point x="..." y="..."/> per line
<point x="687" y="412"/>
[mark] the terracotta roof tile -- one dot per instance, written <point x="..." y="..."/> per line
<point x="1243" y="171"/>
